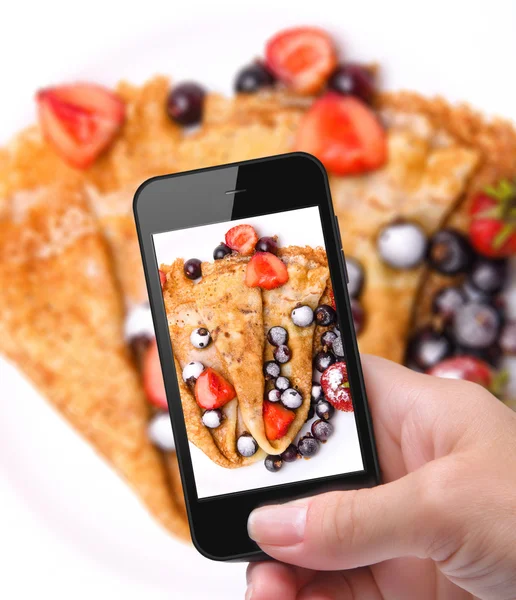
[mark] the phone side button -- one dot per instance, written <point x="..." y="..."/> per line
<point x="344" y="265"/>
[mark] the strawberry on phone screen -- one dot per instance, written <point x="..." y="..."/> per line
<point x="266" y="271"/>
<point x="277" y="419"/>
<point x="212" y="390"/>
<point x="242" y="239"/>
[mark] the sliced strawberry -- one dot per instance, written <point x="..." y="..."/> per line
<point x="212" y="390"/>
<point x="302" y="57"/>
<point x="79" y="120"/>
<point x="492" y="230"/>
<point x="153" y="378"/>
<point x="266" y="271"/>
<point x="344" y="134"/>
<point x="277" y="419"/>
<point x="242" y="239"/>
<point x="335" y="385"/>
<point x="162" y="278"/>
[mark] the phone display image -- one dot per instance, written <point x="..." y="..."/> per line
<point x="258" y="353"/>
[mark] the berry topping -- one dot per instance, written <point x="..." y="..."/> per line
<point x="316" y="392"/>
<point x="267" y="244"/>
<point x="277" y="336"/>
<point x="448" y="301"/>
<point x="282" y="354"/>
<point x="200" y="337"/>
<point x="138" y="323"/>
<point x="488" y="276"/>
<point x="335" y="385"/>
<point x="302" y="316"/>
<point x="277" y="419"/>
<point x="185" y="103"/>
<point x="273" y="463"/>
<point x="192" y="371"/>
<point x="332" y="299"/>
<point x="212" y="390"/>
<point x="221" y="251"/>
<point x="427" y="347"/>
<point x="325" y="315"/>
<point x="322" y="430"/>
<point x="323" y="360"/>
<point x="353" y="80"/>
<point x="266" y="271"/>
<point x="338" y="347"/>
<point x="246" y="445"/>
<point x="344" y="134"/>
<point x="153" y="378"/>
<point x="327" y="339"/>
<point x="159" y="431"/>
<point x="324" y="410"/>
<point x="162" y="278"/>
<point x="308" y="446"/>
<point x="271" y="369"/>
<point x="282" y="383"/>
<point x="449" y="252"/>
<point x="302" y="57"/>
<point x="464" y="367"/>
<point x="358" y="320"/>
<point x="291" y="398"/>
<point x="508" y="338"/>
<point x="355" y="277"/>
<point x="476" y="325"/>
<point x="242" y="239"/>
<point x="290" y="454"/>
<point x="192" y="268"/>
<point x="311" y="412"/>
<point x="252" y="78"/>
<point x="80" y="120"/>
<point x="402" y="245"/>
<point x="274" y="395"/>
<point x="212" y="418"/>
<point x="492" y="230"/>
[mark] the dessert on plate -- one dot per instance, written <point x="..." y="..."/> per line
<point x="425" y="196"/>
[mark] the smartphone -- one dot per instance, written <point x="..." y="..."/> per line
<point x="247" y="286"/>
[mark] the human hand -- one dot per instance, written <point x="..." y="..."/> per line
<point x="442" y="526"/>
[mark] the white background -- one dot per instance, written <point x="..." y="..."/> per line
<point x="341" y="454"/>
<point x="69" y="527"/>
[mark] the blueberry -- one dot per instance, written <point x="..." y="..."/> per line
<point x="448" y="301"/>
<point x="192" y="371"/>
<point x="308" y="446"/>
<point x="337" y="346"/>
<point x="317" y="392"/>
<point x="185" y="103"/>
<point x="402" y="244"/>
<point x="200" y="337"/>
<point x="302" y="316"/>
<point x="252" y="78"/>
<point x="291" y="398"/>
<point x="246" y="445"/>
<point x="192" y="268"/>
<point x="273" y="463"/>
<point x="357" y="313"/>
<point x="476" y="325"/>
<point x="160" y="432"/>
<point x="311" y="413"/>
<point x="290" y="454"/>
<point x="324" y="410"/>
<point x="282" y="383"/>
<point x="327" y="338"/>
<point x="221" y="251"/>
<point x="282" y="354"/>
<point x="427" y="347"/>
<point x="508" y="338"/>
<point x="355" y="276"/>
<point x="277" y="336"/>
<point x="473" y="294"/>
<point x="267" y="244"/>
<point x="212" y="418"/>
<point x="325" y="315"/>
<point x="322" y="430"/>
<point x="449" y="252"/>
<point x="274" y="395"/>
<point x="488" y="276"/>
<point x="271" y="369"/>
<point x="353" y="79"/>
<point x="323" y="360"/>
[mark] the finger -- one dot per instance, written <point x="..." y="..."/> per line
<point x="271" y="580"/>
<point x="341" y="585"/>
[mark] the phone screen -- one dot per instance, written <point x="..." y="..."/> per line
<point x="260" y="360"/>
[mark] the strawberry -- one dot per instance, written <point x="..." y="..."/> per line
<point x="152" y="377"/>
<point x="332" y="299"/>
<point x="335" y="385"/>
<point x="242" y="239"/>
<point x="162" y="278"/>
<point x="472" y="369"/>
<point x="79" y="120"/>
<point x="302" y="57"/>
<point x="277" y="419"/>
<point x="266" y="271"/>
<point x="212" y="390"/>
<point x="492" y="230"/>
<point x="344" y="134"/>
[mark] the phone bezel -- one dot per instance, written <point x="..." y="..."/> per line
<point x="273" y="184"/>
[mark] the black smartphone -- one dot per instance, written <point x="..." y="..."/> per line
<point x="247" y="286"/>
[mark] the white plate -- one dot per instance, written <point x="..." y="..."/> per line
<point x="69" y="526"/>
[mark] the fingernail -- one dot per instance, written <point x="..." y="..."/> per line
<point x="249" y="592"/>
<point x="282" y="525"/>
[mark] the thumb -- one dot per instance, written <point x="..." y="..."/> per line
<point x="344" y="530"/>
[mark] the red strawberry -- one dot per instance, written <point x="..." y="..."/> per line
<point x="79" y="120"/>
<point x="212" y="390"/>
<point x="302" y="57"/>
<point x="344" y="134"/>
<point x="266" y="271"/>
<point x="468" y="368"/>
<point x="277" y="419"/>
<point x="162" y="278"/>
<point x="153" y="378"/>
<point x="335" y="385"/>
<point x="242" y="239"/>
<point x="492" y="230"/>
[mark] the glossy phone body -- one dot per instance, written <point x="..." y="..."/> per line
<point x="181" y="201"/>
